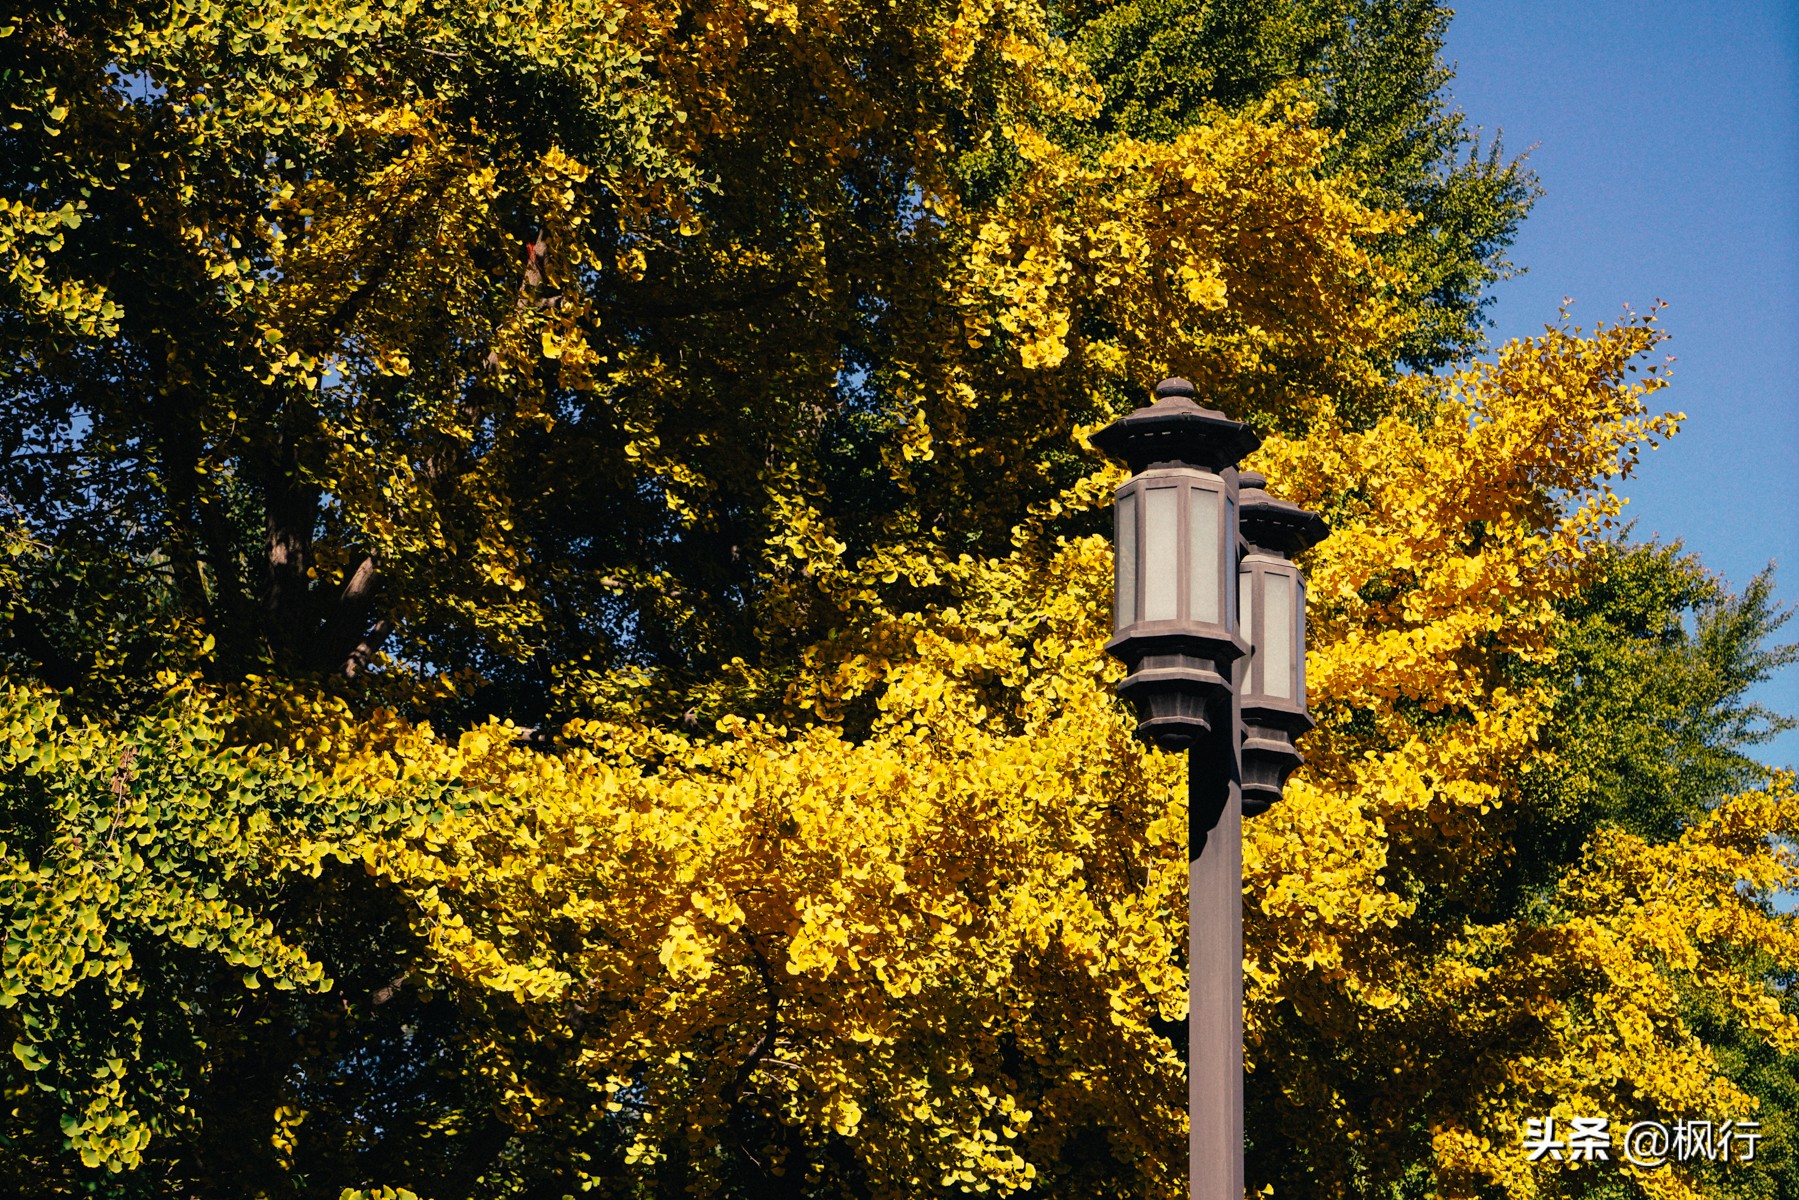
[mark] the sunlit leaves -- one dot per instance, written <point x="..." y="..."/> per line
<point x="679" y="414"/>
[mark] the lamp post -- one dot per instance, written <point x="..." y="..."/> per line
<point x="1209" y="617"/>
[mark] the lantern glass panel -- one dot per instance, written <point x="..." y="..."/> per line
<point x="1246" y="599"/>
<point x="1204" y="560"/>
<point x="1124" y="600"/>
<point x="1231" y="582"/>
<point x="1161" y="554"/>
<point x="1299" y="643"/>
<point x="1278" y="628"/>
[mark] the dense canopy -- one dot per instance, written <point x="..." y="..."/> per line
<point x="553" y="594"/>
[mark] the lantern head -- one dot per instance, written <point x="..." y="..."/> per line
<point x="1273" y="691"/>
<point x="1175" y="608"/>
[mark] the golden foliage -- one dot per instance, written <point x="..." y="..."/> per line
<point x="943" y="945"/>
<point x="904" y="903"/>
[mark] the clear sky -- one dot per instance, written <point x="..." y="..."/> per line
<point x="1666" y="136"/>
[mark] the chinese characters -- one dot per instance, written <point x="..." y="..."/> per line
<point x="1645" y="1144"/>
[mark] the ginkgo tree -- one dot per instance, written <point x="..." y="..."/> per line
<point x="503" y="340"/>
<point x="944" y="953"/>
<point x="555" y="609"/>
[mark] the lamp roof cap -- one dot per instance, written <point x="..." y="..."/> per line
<point x="1176" y="430"/>
<point x="1275" y="524"/>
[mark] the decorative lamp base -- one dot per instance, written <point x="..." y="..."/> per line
<point x="1269" y="755"/>
<point x="1173" y="695"/>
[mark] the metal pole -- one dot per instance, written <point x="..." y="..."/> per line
<point x="1215" y="962"/>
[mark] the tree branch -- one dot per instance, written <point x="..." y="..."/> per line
<point x="746" y="1070"/>
<point x="346" y="641"/>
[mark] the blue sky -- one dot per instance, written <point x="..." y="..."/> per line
<point x="1666" y="136"/>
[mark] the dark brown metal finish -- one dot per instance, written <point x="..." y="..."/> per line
<point x="1187" y="679"/>
<point x="1269" y="755"/>
<point x="1275" y="530"/>
<point x="1175" y="523"/>
<point x="1277" y="526"/>
<point x="1174" y="694"/>
<point x="1175" y="430"/>
<point x="1215" y="967"/>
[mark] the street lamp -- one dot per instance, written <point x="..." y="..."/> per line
<point x="1196" y="539"/>
<point x="1174" y="615"/>
<point x="1274" y="624"/>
